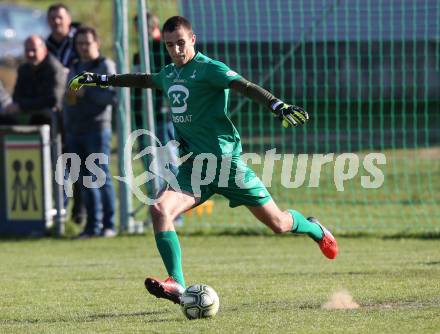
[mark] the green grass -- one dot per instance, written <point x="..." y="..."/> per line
<point x="266" y="285"/>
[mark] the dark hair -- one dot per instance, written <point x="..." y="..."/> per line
<point x="57" y="6"/>
<point x="175" y="22"/>
<point x="86" y="30"/>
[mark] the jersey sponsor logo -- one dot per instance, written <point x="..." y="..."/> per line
<point x="178" y="94"/>
<point x="182" y="119"/>
<point x="231" y="73"/>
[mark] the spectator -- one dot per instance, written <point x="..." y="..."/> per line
<point x="163" y="125"/>
<point x="60" y="41"/>
<point x="40" y="84"/>
<point x="60" y="44"/>
<point x="87" y="117"/>
<point x="5" y="102"/>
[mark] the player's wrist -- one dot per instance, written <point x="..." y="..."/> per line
<point x="110" y="79"/>
<point x="102" y="80"/>
<point x="276" y="105"/>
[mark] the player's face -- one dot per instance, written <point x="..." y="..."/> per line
<point x="180" y="45"/>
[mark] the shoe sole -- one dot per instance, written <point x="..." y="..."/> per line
<point x="157" y="290"/>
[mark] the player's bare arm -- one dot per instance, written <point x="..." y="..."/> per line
<point x="289" y="115"/>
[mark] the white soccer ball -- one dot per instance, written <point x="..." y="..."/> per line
<point x="199" y="301"/>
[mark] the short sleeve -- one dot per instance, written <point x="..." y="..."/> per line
<point x="220" y="75"/>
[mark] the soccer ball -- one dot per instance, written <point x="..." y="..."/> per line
<point x="199" y="301"/>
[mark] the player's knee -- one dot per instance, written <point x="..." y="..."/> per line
<point x="159" y="212"/>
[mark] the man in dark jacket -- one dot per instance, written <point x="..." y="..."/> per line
<point x="60" y="41"/>
<point x="87" y="116"/>
<point x="40" y="84"/>
<point x="60" y="44"/>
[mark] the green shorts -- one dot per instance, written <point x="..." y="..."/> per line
<point x="235" y="181"/>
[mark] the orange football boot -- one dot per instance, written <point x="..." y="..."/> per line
<point x="168" y="289"/>
<point x="328" y="244"/>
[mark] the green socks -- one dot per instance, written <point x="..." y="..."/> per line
<point x="302" y="226"/>
<point x="169" y="248"/>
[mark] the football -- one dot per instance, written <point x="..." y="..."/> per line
<point x="199" y="301"/>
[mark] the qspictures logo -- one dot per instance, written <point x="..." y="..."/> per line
<point x="163" y="163"/>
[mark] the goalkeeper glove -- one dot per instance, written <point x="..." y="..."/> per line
<point x="88" y="79"/>
<point x="289" y="115"/>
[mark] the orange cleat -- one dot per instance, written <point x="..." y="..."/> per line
<point x="328" y="244"/>
<point x="168" y="289"/>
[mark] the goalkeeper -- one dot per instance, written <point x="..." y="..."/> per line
<point x="197" y="88"/>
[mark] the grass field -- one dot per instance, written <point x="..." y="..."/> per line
<point x="266" y="285"/>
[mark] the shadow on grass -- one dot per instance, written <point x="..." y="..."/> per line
<point x="327" y="274"/>
<point x="272" y="306"/>
<point x="410" y="304"/>
<point x="243" y="232"/>
<point x="432" y="263"/>
<point x="92" y="317"/>
<point x="414" y="235"/>
<point x="95" y="317"/>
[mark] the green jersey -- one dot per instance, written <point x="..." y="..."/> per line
<point x="198" y="96"/>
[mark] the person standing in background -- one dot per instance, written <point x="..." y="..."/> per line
<point x="40" y="84"/>
<point x="60" y="44"/>
<point x="60" y="41"/>
<point x="87" y="119"/>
